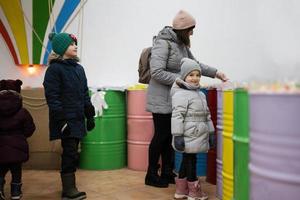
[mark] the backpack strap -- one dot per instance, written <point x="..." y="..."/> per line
<point x="169" y="51"/>
<point x="169" y="48"/>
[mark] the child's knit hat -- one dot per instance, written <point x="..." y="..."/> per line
<point x="183" y="20"/>
<point x="61" y="42"/>
<point x="9" y="84"/>
<point x="188" y="65"/>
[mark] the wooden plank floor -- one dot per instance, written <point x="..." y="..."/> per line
<point x="123" y="184"/>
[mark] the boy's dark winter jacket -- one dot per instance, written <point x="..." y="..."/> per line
<point x="68" y="98"/>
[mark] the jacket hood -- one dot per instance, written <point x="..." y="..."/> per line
<point x="187" y="66"/>
<point x="174" y="88"/>
<point x="10" y="102"/>
<point x="55" y="58"/>
<point x="167" y="33"/>
<point x="180" y="84"/>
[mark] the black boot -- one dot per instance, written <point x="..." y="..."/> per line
<point x="153" y="179"/>
<point x="2" y="183"/>
<point x="69" y="188"/>
<point x="168" y="159"/>
<point x="168" y="176"/>
<point x="15" y="190"/>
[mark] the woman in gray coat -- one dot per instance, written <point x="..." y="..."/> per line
<point x="170" y="46"/>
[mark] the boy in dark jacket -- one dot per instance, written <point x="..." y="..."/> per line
<point x="16" y="125"/>
<point x="69" y="104"/>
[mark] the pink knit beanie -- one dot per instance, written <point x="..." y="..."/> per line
<point x="183" y="20"/>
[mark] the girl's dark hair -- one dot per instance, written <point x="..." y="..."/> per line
<point x="183" y="36"/>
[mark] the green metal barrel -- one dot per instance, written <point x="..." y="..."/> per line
<point x="104" y="148"/>
<point x="241" y="144"/>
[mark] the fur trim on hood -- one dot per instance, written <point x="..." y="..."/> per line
<point x="53" y="56"/>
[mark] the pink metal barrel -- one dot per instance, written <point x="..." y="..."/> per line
<point x="140" y="130"/>
<point x="274" y="146"/>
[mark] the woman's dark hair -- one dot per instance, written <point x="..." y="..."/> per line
<point x="183" y="36"/>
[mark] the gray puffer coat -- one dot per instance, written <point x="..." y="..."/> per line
<point x="190" y="118"/>
<point x="165" y="68"/>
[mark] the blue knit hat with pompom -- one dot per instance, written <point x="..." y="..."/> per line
<point x="61" y="42"/>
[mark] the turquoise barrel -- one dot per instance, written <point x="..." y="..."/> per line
<point x="205" y="91"/>
<point x="104" y="148"/>
<point x="241" y="144"/>
<point x="201" y="165"/>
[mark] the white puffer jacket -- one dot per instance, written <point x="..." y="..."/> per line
<point x="190" y="118"/>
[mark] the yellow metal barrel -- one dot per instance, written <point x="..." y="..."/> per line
<point x="227" y="145"/>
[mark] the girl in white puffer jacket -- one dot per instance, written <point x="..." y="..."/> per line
<point x="191" y="125"/>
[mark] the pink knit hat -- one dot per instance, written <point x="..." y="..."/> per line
<point x="183" y="20"/>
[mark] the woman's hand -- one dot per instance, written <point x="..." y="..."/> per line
<point x="220" y="75"/>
